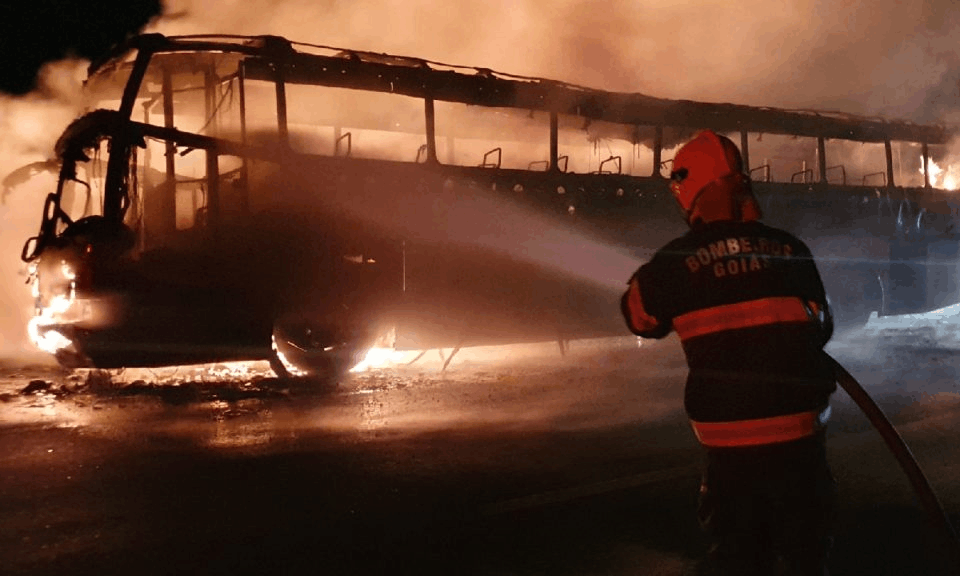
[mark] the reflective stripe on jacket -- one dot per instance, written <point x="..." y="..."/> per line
<point x="776" y="310"/>
<point x="761" y="431"/>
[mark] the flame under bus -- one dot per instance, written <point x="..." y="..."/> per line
<point x="249" y="197"/>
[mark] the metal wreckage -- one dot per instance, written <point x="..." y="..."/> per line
<point x="254" y="198"/>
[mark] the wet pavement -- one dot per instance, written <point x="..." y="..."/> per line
<point x="513" y="461"/>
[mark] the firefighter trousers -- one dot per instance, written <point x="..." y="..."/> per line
<point x="768" y="510"/>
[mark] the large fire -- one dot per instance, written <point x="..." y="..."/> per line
<point x="40" y="328"/>
<point x="946" y="178"/>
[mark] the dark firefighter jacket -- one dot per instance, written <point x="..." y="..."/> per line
<point x="751" y="312"/>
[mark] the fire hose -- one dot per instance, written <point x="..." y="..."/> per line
<point x="921" y="487"/>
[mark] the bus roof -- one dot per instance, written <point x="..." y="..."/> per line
<point x="336" y="67"/>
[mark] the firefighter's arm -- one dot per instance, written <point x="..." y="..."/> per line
<point x="818" y="304"/>
<point x="640" y="322"/>
<point x="824" y="318"/>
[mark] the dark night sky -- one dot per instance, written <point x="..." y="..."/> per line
<point x="38" y="31"/>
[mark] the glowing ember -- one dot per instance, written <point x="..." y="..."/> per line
<point x="67" y="271"/>
<point x="239" y="370"/>
<point x="244" y="372"/>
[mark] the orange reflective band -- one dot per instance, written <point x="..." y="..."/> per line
<point x="741" y="315"/>
<point x="760" y="431"/>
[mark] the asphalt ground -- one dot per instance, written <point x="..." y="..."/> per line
<point x="513" y="461"/>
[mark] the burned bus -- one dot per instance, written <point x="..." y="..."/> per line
<point x="233" y="197"/>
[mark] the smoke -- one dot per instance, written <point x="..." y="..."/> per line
<point x="29" y="127"/>
<point x="888" y="58"/>
<point x="885" y="57"/>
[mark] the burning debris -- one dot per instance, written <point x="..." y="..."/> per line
<point x="35" y="386"/>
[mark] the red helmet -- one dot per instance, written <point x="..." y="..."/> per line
<point x="708" y="181"/>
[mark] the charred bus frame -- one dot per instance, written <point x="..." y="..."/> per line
<point x="607" y="201"/>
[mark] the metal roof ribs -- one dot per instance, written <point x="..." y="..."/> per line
<point x="481" y="87"/>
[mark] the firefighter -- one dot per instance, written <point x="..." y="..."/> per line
<point x="751" y="312"/>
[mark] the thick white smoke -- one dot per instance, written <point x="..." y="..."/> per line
<point x="29" y="127"/>
<point x="861" y="57"/>
<point x="887" y="57"/>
